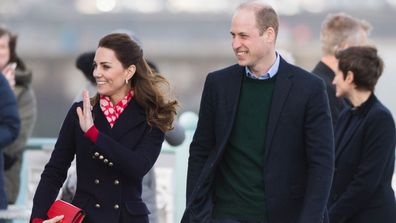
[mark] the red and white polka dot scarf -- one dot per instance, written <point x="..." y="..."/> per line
<point x="113" y="112"/>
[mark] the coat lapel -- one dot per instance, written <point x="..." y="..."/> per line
<point x="132" y="116"/>
<point x="129" y="118"/>
<point x="282" y="87"/>
<point x="232" y="96"/>
<point x="234" y="90"/>
<point x="346" y="136"/>
<point x="100" y="120"/>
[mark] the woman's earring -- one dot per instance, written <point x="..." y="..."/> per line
<point x="126" y="81"/>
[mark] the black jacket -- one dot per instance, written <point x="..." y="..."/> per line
<point x="365" y="156"/>
<point x="327" y="74"/>
<point x="299" y="146"/>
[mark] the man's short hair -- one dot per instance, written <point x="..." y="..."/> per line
<point x="339" y="29"/>
<point x="265" y="15"/>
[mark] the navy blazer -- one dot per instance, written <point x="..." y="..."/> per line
<point x="299" y="158"/>
<point x="109" y="173"/>
<point x="365" y="156"/>
<point x="9" y="128"/>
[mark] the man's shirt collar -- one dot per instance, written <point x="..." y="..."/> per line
<point x="271" y="72"/>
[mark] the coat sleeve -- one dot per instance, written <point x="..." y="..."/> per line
<point x="377" y="152"/>
<point x="55" y="170"/>
<point x="319" y="148"/>
<point x="204" y="138"/>
<point x="137" y="162"/>
<point x="9" y="117"/>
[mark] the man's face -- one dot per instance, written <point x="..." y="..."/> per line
<point x="249" y="46"/>
<point x="4" y="51"/>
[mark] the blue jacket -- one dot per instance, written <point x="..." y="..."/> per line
<point x="109" y="173"/>
<point x="299" y="158"/>
<point x="9" y="127"/>
<point x="365" y="157"/>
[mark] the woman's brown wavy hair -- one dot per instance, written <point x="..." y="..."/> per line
<point x="150" y="88"/>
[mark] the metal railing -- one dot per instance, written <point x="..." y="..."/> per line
<point x="20" y="212"/>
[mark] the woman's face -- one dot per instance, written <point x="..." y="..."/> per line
<point x="342" y="85"/>
<point x="4" y="51"/>
<point x="110" y="75"/>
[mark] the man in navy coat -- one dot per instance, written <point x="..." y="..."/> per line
<point x="263" y="149"/>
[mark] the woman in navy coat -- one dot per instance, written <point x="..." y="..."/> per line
<point x="365" y="144"/>
<point x="116" y="138"/>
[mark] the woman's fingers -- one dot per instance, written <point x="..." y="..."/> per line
<point x="80" y="114"/>
<point x="86" y="102"/>
<point x="84" y="113"/>
<point x="54" y="219"/>
<point x="81" y="118"/>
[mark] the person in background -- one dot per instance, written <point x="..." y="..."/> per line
<point x="174" y="137"/>
<point x="20" y="79"/>
<point x="365" y="140"/>
<point x="116" y="138"/>
<point x="263" y="149"/>
<point x="338" y="32"/>
<point x="9" y="129"/>
<point x="84" y="63"/>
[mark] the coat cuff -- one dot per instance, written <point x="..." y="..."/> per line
<point x="37" y="220"/>
<point x="92" y="133"/>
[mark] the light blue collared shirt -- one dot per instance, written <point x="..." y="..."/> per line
<point x="271" y="72"/>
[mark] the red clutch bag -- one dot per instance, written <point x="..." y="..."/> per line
<point x="72" y="214"/>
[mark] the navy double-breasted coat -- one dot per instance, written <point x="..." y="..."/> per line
<point x="109" y="172"/>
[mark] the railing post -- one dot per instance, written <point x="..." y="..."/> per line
<point x="189" y="121"/>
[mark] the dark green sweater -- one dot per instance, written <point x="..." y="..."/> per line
<point x="239" y="187"/>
